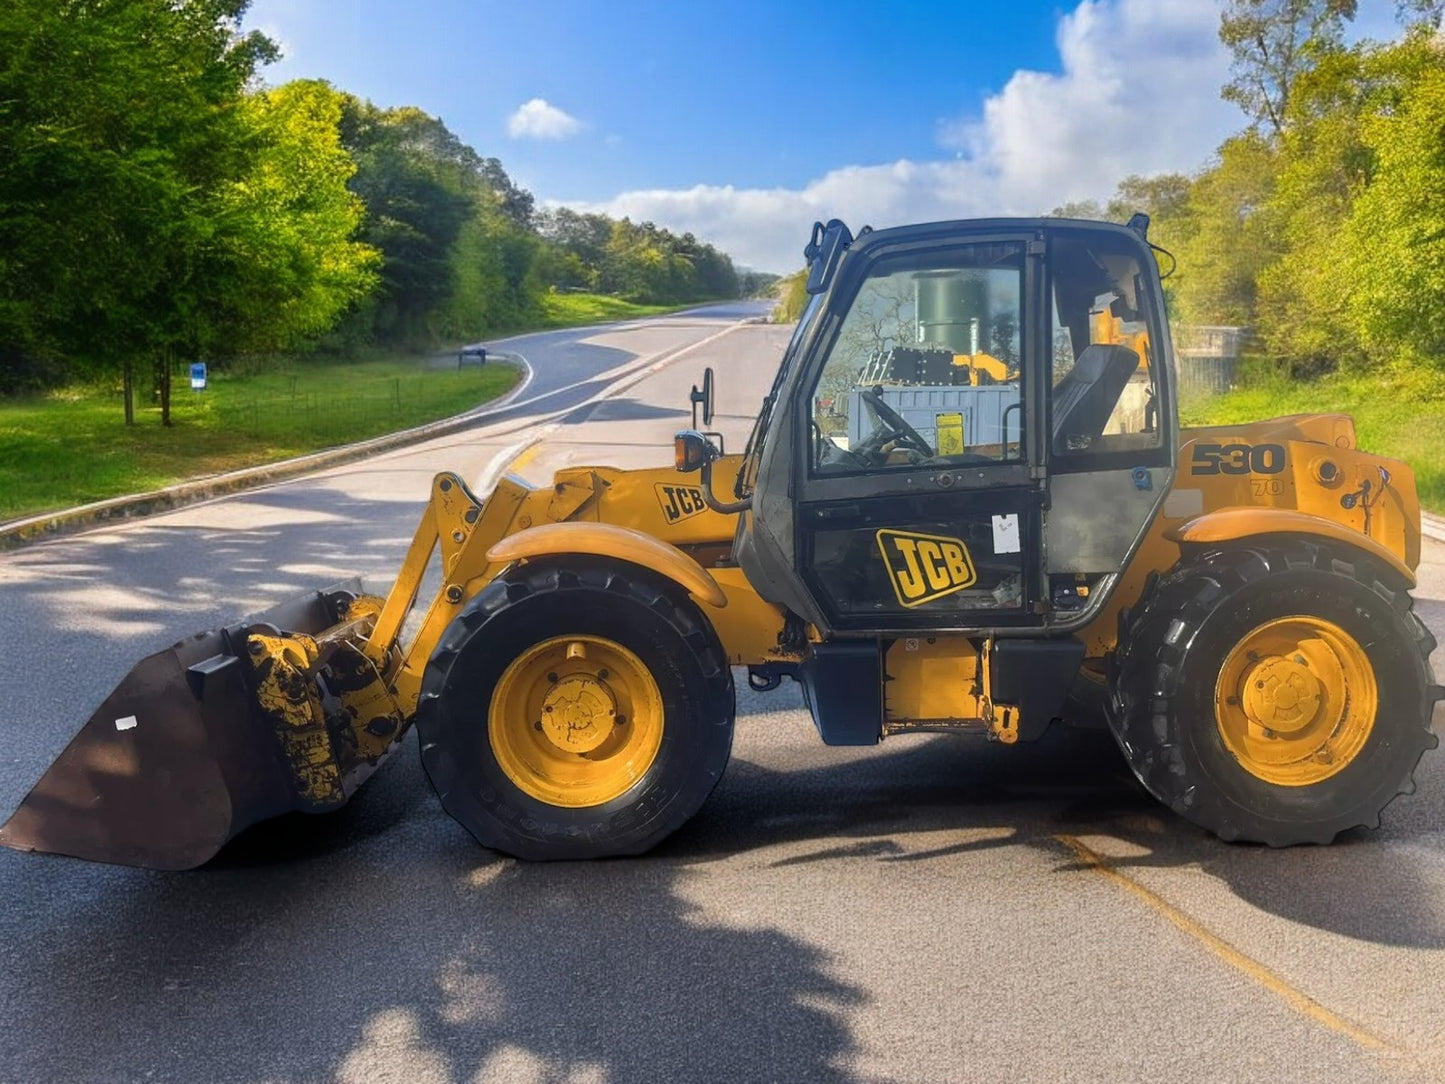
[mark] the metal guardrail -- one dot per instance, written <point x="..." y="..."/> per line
<point x="1206" y="357"/>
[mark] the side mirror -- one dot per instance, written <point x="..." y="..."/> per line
<point x="692" y="451"/>
<point x="702" y="398"/>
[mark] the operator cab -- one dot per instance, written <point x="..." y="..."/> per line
<point x="953" y="391"/>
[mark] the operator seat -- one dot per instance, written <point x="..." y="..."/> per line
<point x="1085" y="397"/>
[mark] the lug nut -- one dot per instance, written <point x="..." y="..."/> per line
<point x="601" y="675"/>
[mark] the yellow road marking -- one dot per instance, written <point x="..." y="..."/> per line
<point x="528" y="454"/>
<point x="1296" y="999"/>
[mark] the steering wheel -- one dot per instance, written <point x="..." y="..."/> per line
<point x="897" y="427"/>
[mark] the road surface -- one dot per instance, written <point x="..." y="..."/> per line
<point x="933" y="909"/>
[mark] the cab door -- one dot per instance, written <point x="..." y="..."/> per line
<point x="921" y="476"/>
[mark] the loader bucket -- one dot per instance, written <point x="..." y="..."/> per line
<point x="177" y="761"/>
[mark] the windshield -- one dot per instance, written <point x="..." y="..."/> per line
<point x="924" y="368"/>
<point x="748" y="474"/>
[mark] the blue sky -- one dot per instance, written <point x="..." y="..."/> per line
<point x="745" y="121"/>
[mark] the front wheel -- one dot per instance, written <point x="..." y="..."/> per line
<point x="1275" y="693"/>
<point x="576" y="712"/>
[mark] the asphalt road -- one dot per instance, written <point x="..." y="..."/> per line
<point x="933" y="909"/>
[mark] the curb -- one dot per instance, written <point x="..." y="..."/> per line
<point x="1432" y="526"/>
<point x="67" y="521"/>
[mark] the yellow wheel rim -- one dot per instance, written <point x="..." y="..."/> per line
<point x="1296" y="701"/>
<point x="575" y="721"/>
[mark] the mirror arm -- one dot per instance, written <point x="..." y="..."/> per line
<point x="724" y="508"/>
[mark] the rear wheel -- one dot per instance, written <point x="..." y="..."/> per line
<point x="1274" y="693"/>
<point x="576" y="712"/>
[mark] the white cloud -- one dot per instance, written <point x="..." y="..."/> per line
<point x="1138" y="93"/>
<point x="540" y="119"/>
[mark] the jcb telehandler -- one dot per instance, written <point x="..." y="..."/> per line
<point x="966" y="506"/>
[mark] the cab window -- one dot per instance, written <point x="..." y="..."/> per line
<point x="1104" y="377"/>
<point x="924" y="369"/>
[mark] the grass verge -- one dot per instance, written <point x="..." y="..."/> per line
<point x="70" y="447"/>
<point x="1400" y="415"/>
<point x="576" y="310"/>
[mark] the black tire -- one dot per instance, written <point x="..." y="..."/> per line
<point x="651" y="618"/>
<point x="1172" y="647"/>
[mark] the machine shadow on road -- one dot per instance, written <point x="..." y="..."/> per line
<point x="850" y="803"/>
<point x="390" y="947"/>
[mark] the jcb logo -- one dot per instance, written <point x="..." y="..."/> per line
<point x="924" y="567"/>
<point x="679" y="502"/>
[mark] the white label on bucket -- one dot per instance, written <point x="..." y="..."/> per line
<point x="128" y="723"/>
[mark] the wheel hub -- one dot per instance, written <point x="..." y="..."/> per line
<point x="1281" y="695"/>
<point x="579" y="713"/>
<point x="575" y="720"/>
<point x="1295" y="700"/>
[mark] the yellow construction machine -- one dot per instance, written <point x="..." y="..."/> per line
<point x="966" y="506"/>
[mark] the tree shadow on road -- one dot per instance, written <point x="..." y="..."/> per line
<point x="382" y="944"/>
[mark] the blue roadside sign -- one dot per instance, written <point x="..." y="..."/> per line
<point x="198" y="376"/>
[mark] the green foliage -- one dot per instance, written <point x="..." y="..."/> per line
<point x="1272" y="42"/>
<point x="793" y="297"/>
<point x="282" y="263"/>
<point x="64" y="448"/>
<point x="577" y="309"/>
<point x="418" y="184"/>
<point x="113" y="152"/>
<point x="1323" y="228"/>
<point x="1339" y="262"/>
<point x="157" y="204"/>
<point x="1394" y="240"/>
<point x="641" y="263"/>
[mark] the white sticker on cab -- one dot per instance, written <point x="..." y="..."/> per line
<point x="126" y="723"/>
<point x="1006" y="533"/>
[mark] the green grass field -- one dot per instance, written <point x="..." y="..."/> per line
<point x="1397" y="415"/>
<point x="576" y="310"/>
<point x="70" y="447"/>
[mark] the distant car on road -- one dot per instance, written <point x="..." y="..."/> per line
<point x="471" y="355"/>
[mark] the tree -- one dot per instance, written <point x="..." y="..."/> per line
<point x="1393" y="242"/>
<point x="455" y="233"/>
<point x="1228" y="235"/>
<point x="283" y="262"/>
<point x="1272" y="41"/>
<point x="1427" y="13"/>
<point x="113" y="151"/>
